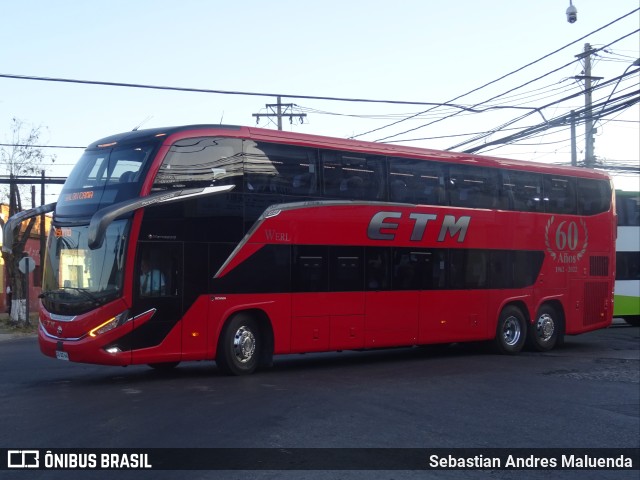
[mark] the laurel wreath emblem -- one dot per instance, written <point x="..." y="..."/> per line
<point x="586" y="239"/>
<point x="546" y="237"/>
<point x="553" y="254"/>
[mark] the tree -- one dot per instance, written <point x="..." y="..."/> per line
<point x="21" y="156"/>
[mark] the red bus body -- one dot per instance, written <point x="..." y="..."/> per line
<point x="573" y="281"/>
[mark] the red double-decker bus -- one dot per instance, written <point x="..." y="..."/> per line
<point x="234" y="244"/>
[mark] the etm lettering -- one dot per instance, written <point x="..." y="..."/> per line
<point x="383" y="225"/>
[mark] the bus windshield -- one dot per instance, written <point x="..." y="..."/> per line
<point x="77" y="279"/>
<point x="104" y="176"/>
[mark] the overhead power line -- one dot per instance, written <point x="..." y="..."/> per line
<point x="496" y="80"/>
<point x="608" y="107"/>
<point x="502" y="94"/>
<point x="602" y="85"/>
<point x="37" y="146"/>
<point x="231" y="92"/>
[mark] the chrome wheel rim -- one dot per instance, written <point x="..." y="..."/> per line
<point x="244" y="345"/>
<point x="511" y="331"/>
<point x="545" y="327"/>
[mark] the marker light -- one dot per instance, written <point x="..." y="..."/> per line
<point x="110" y="324"/>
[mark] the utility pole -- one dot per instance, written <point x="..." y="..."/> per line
<point x="42" y="228"/>
<point x="589" y="151"/>
<point x="276" y="110"/>
<point x="574" y="150"/>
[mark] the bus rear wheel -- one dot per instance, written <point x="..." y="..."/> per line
<point x="239" y="346"/>
<point x="545" y="330"/>
<point x="511" y="331"/>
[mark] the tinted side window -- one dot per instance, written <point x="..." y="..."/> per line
<point x="415" y="269"/>
<point x="594" y="196"/>
<point x="280" y="169"/>
<point x="271" y="261"/>
<point x="346" y="269"/>
<point x="526" y="267"/>
<point x="417" y="181"/>
<point x="378" y="269"/>
<point x="522" y="191"/>
<point x="310" y="268"/>
<point x="560" y="194"/>
<point x="201" y="162"/>
<point x="474" y="187"/>
<point x="468" y="269"/>
<point x="354" y="176"/>
<point x="407" y="269"/>
<point x="498" y="269"/>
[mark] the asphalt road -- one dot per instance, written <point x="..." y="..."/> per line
<point x="585" y="394"/>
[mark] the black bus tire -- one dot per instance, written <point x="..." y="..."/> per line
<point x="239" y="346"/>
<point x="545" y="330"/>
<point x="511" y="331"/>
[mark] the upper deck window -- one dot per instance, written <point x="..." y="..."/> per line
<point x="474" y="187"/>
<point x="594" y="196"/>
<point x="354" y="176"/>
<point x="417" y="181"/>
<point x="201" y="162"/>
<point x="560" y="194"/>
<point x="280" y="169"/>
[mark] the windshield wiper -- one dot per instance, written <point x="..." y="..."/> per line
<point x="87" y="294"/>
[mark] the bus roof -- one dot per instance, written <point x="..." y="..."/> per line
<point x="172" y="134"/>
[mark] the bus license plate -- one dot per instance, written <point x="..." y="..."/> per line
<point x="62" y="355"/>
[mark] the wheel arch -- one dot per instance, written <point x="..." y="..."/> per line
<point x="514" y="302"/>
<point x="266" y="332"/>
<point x="557" y="305"/>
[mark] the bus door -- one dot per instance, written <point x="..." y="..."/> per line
<point x="157" y="286"/>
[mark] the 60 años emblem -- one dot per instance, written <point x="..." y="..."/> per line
<point x="567" y="239"/>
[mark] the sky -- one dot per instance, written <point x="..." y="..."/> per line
<point x="425" y="51"/>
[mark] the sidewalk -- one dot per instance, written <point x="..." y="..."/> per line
<point x="9" y="331"/>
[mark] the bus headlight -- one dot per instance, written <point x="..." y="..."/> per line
<point x="110" y="324"/>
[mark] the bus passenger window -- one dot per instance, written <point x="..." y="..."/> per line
<point x="417" y="181"/>
<point x="407" y="265"/>
<point x="310" y="268"/>
<point x="594" y="196"/>
<point x="560" y="194"/>
<point x="525" y="190"/>
<point x="474" y="187"/>
<point x="378" y="275"/>
<point x="346" y="269"/>
<point x="354" y="176"/>
<point x="280" y="169"/>
<point x="201" y="162"/>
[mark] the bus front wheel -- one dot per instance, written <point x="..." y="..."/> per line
<point x="545" y="330"/>
<point x="511" y="331"/>
<point x="239" y="346"/>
